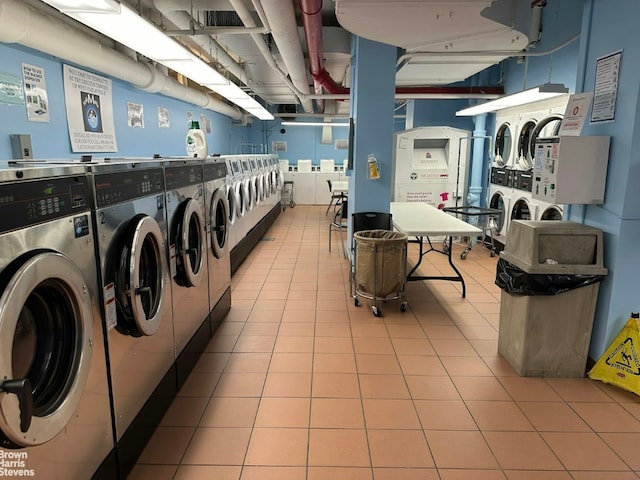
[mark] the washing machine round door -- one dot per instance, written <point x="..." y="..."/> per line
<point x="497" y="202"/>
<point x="503" y="144"/>
<point x="140" y="277"/>
<point x="248" y="188"/>
<point x="218" y="216"/>
<point x="553" y="212"/>
<point x="521" y="210"/>
<point x="525" y="153"/>
<point x="274" y="182"/>
<point x="547" y="127"/>
<point x="241" y="204"/>
<point x="266" y="185"/>
<point x="232" y="200"/>
<point x="256" y="185"/>
<point x="188" y="237"/>
<point x="46" y="338"/>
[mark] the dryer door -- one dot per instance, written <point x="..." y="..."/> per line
<point x="218" y="216"/>
<point x="232" y="199"/>
<point x="46" y="338"/>
<point x="242" y="199"/>
<point x="525" y="155"/>
<point x="188" y="237"/>
<point x="497" y="202"/>
<point x="503" y="145"/>
<point x="140" y="277"/>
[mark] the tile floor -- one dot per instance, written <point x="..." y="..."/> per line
<point x="299" y="384"/>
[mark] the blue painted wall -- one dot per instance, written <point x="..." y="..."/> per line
<point x="51" y="140"/>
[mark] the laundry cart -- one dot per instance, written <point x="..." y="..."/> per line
<point x="286" y="195"/>
<point x="380" y="267"/>
<point x="486" y="219"/>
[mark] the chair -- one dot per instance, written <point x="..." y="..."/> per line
<point x="339" y="224"/>
<point x="337" y="197"/>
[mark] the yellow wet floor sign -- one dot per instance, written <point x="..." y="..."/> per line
<point x="620" y="364"/>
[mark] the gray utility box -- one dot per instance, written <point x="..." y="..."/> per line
<point x="549" y="335"/>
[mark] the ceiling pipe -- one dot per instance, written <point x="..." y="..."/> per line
<point x="246" y="17"/>
<point x="25" y="25"/>
<point x="175" y="12"/>
<point x="282" y="21"/>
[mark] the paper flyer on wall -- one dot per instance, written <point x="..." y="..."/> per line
<point x="135" y="114"/>
<point x="35" y="93"/>
<point x="88" y="98"/>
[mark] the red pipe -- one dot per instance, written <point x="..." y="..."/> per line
<point x="312" y="22"/>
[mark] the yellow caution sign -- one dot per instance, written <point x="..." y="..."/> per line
<point x="620" y="364"/>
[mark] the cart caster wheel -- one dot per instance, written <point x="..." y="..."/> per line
<point x="463" y="255"/>
<point x="492" y="253"/>
<point x="403" y="307"/>
<point x="356" y="302"/>
<point x="445" y="246"/>
<point x="376" y="311"/>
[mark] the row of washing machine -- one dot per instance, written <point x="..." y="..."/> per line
<point x="510" y="176"/>
<point x="113" y="274"/>
<point x="254" y="187"/>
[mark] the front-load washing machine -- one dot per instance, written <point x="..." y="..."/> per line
<point x="257" y="191"/>
<point x="248" y="189"/>
<point x="187" y="257"/>
<point x="217" y="219"/>
<point x="236" y="185"/>
<point x="131" y="231"/>
<point x="54" y="403"/>
<point x="500" y="199"/>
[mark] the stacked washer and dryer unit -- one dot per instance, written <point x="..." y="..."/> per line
<point x="55" y="408"/>
<point x="511" y="172"/>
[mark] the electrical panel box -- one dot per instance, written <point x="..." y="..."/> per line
<point x="570" y="170"/>
<point x="21" y="147"/>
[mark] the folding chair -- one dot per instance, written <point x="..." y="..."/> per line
<point x="337" y="197"/>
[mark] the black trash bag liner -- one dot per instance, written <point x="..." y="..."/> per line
<point x="514" y="280"/>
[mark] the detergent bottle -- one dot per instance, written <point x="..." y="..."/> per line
<point x="196" y="141"/>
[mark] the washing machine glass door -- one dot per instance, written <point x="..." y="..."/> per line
<point x="189" y="241"/>
<point x="46" y="335"/>
<point x="241" y="199"/>
<point x="140" y="277"/>
<point x="497" y="202"/>
<point x="249" y="192"/>
<point x="552" y="213"/>
<point x="503" y="144"/>
<point x="219" y="214"/>
<point x="274" y="182"/>
<point x="521" y="210"/>
<point x="233" y="208"/>
<point x="525" y="155"/>
<point x="256" y="185"/>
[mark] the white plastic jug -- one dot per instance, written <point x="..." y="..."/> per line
<point x="196" y="142"/>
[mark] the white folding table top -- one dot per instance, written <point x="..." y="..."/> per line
<point x="422" y="220"/>
<point x="340" y="186"/>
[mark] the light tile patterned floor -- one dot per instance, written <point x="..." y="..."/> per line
<point x="299" y="384"/>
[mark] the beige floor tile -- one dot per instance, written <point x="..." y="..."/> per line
<point x="477" y="454"/>
<point x="293" y="345"/>
<point x="287" y="385"/>
<point x="496" y="415"/>
<point x="261" y="328"/>
<point x="606" y="417"/>
<point x="199" y="385"/>
<point x="240" y="385"/>
<point x="578" y="390"/>
<point x="374" y="346"/>
<point x="335" y="385"/>
<point x="248" y="362"/>
<point x="333" y="345"/>
<point x="231" y="445"/>
<point x="278" y="446"/>
<point x="299" y="316"/>
<point x="157" y="472"/>
<point x="390" y="414"/>
<point x="522" y="451"/>
<point x="405" y="473"/>
<point x="336" y="413"/>
<point x="211" y="363"/>
<point x="197" y="472"/>
<point x="332" y="316"/>
<point x="553" y="417"/>
<point x="399" y="448"/>
<point x="375" y="330"/>
<point x="283" y="413"/>
<point x="412" y="346"/>
<point x="427" y="387"/>
<point x="468" y="474"/>
<point x="377" y="364"/>
<point x="480" y="388"/>
<point x="338" y="448"/>
<point x="466" y="366"/>
<point x="444" y="415"/>
<point x="577" y="475"/>
<point x="625" y="445"/>
<point x="273" y="473"/>
<point x="334" y="363"/>
<point x="185" y="412"/>
<point x="421" y="365"/>
<point x="291" y="362"/>
<point x="583" y="451"/>
<point x="529" y="389"/>
<point x="326" y="473"/>
<point x="453" y="347"/>
<point x="167" y="445"/>
<point x="230" y="412"/>
<point x="222" y="343"/>
<point x="333" y="330"/>
<point x="255" y="343"/>
<point x="296" y="329"/>
<point x="383" y="386"/>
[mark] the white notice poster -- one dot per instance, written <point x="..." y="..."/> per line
<point x="606" y="88"/>
<point x="35" y="93"/>
<point x="88" y="98"/>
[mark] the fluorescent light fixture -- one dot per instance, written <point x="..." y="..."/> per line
<point x="119" y="22"/>
<point x="315" y="124"/>
<point x="548" y="90"/>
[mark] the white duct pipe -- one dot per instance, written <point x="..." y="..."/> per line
<point x="245" y="15"/>
<point x="32" y="28"/>
<point x="176" y="12"/>
<point x="284" y="29"/>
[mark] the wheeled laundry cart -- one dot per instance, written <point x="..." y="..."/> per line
<point x="380" y="267"/>
<point x="286" y="194"/>
<point x="486" y="219"/>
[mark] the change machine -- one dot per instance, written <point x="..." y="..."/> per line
<point x="430" y="165"/>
